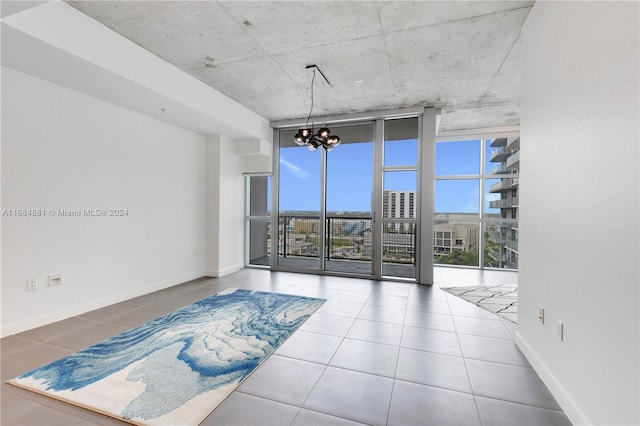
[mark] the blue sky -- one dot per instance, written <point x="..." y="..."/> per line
<point x="350" y="170"/>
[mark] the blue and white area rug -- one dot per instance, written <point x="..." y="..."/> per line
<point x="178" y="368"/>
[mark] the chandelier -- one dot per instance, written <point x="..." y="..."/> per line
<point x="307" y="136"/>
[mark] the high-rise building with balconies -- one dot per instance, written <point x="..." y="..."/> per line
<point x="503" y="237"/>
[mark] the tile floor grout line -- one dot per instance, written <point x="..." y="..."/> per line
<point x="324" y="369"/>
<point x="466" y="369"/>
<point x="393" y="387"/>
<point x="475" y="402"/>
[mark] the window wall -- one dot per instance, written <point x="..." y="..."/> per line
<point x="353" y="210"/>
<point x="476" y="202"/>
<point x="399" y="197"/>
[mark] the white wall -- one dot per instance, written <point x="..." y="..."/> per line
<point x="579" y="206"/>
<point x="65" y="150"/>
<point x="225" y="207"/>
<point x="58" y="43"/>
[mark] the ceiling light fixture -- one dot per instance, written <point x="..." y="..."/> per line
<point x="306" y="136"/>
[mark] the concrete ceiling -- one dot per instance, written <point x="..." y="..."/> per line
<point x="460" y="56"/>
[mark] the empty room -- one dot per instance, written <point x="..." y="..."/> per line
<point x="320" y="212"/>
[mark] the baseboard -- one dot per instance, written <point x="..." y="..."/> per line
<point x="20" y="326"/>
<point x="222" y="272"/>
<point x="569" y="406"/>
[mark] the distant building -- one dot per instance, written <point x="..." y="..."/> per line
<point x="399" y="204"/>
<point x="452" y="236"/>
<point x="305" y="226"/>
<point x="503" y="253"/>
<point x="455" y="234"/>
<point x="297" y="245"/>
<point x="395" y="245"/>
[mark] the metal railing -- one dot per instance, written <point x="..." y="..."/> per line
<point x="347" y="238"/>
<point x="495" y="237"/>
<point x="500" y="204"/>
<point x="514" y="158"/>
<point x="501" y="168"/>
<point x="496" y="152"/>
<point x="503" y="184"/>
<point x="298" y="236"/>
<point x="504" y="204"/>
<point x="512" y="244"/>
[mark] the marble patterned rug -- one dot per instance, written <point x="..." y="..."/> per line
<point x="501" y="300"/>
<point x="178" y="368"/>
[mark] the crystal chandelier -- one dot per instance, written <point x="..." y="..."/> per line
<point x="307" y="136"/>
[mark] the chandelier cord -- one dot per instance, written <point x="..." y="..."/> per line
<point x="311" y="110"/>
<point x="307" y="137"/>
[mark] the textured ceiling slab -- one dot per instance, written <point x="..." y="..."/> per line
<point x="457" y="55"/>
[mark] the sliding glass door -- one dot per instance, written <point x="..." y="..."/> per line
<point x="349" y="206"/>
<point x="299" y="205"/>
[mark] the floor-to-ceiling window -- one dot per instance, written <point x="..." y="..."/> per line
<point x="399" y="197"/>
<point x="299" y="232"/>
<point x="352" y="210"/>
<point x="476" y="201"/>
<point x="501" y="213"/>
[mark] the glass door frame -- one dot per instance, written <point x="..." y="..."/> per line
<point x="425" y="136"/>
<point x="249" y="217"/>
<point x="380" y="173"/>
<point x="323" y="193"/>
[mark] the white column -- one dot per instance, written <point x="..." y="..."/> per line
<point x="427" y="152"/>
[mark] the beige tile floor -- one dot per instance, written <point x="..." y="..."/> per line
<point x="376" y="353"/>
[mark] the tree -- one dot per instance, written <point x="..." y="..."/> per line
<point x="459" y="257"/>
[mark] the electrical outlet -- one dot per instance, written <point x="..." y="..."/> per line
<point x="55" y="280"/>
<point x="560" y="330"/>
<point x="32" y="284"/>
<point x="541" y="315"/>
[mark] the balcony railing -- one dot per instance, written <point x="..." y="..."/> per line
<point x="347" y="238"/>
<point x="506" y="203"/>
<point x="500" y="169"/>
<point x="500" y="204"/>
<point x="494" y="254"/>
<point x="350" y="239"/>
<point x="498" y="155"/>
<point x="298" y="236"/>
<point x="513" y="159"/>
<point x="496" y="237"/>
<point x="506" y="183"/>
